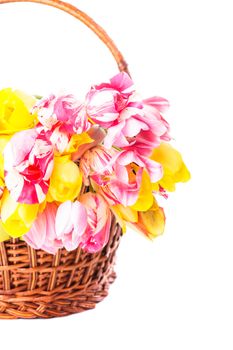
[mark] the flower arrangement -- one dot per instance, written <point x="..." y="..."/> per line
<point x="67" y="166"/>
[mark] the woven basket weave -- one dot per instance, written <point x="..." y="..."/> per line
<point x="35" y="284"/>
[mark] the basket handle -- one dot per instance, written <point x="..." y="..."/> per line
<point x="88" y="21"/>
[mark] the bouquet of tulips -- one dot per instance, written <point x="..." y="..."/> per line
<point x="67" y="166"/>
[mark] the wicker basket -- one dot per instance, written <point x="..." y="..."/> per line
<point x="35" y="284"/>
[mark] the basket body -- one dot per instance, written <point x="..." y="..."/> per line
<point x="35" y="284"/>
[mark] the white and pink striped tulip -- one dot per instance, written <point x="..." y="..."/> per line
<point x="71" y="223"/>
<point x="96" y="163"/>
<point x="129" y="120"/>
<point x="28" y="165"/>
<point x="115" y="175"/>
<point x="97" y="232"/>
<point x="61" y="117"/>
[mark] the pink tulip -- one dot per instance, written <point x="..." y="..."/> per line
<point x="153" y="107"/>
<point x="64" y="110"/>
<point x="124" y="185"/>
<point x="28" y="165"/>
<point x="114" y="173"/>
<point x="153" y="168"/>
<point x="129" y="121"/>
<point x="115" y="106"/>
<point x="158" y="128"/>
<point x="96" y="163"/>
<point x="59" y="138"/>
<point x="97" y="167"/>
<point x="42" y="234"/>
<point x="97" y="232"/>
<point x="106" y="101"/>
<point x="61" y="117"/>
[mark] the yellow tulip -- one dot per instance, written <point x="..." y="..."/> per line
<point x="3" y="141"/>
<point x="124" y="214"/>
<point x="17" y="218"/>
<point x="174" y="167"/>
<point x="66" y="180"/>
<point x="76" y="141"/>
<point x="3" y="234"/>
<point x="127" y="213"/>
<point x="145" y="198"/>
<point x="152" y="222"/>
<point x="15" y="113"/>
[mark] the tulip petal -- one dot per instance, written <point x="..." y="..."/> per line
<point x="160" y="103"/>
<point x="113" y="134"/>
<point x="36" y="236"/>
<point x="151" y="223"/>
<point x="79" y="218"/>
<point x="42" y="234"/>
<point x="63" y="222"/>
<point x="122" y="82"/>
<point x="145" y="198"/>
<point x="97" y="232"/>
<point x="17" y="218"/>
<point x="173" y="165"/>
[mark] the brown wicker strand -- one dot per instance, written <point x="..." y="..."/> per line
<point x="72" y="272"/>
<point x="53" y="275"/>
<point x="4" y="262"/>
<point x="33" y="263"/>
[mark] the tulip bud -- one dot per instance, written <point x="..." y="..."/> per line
<point x="174" y="168"/>
<point x="15" y="113"/>
<point x="152" y="222"/>
<point x="66" y="180"/>
<point x="17" y="218"/>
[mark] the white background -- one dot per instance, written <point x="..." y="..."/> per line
<point x="175" y="293"/>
